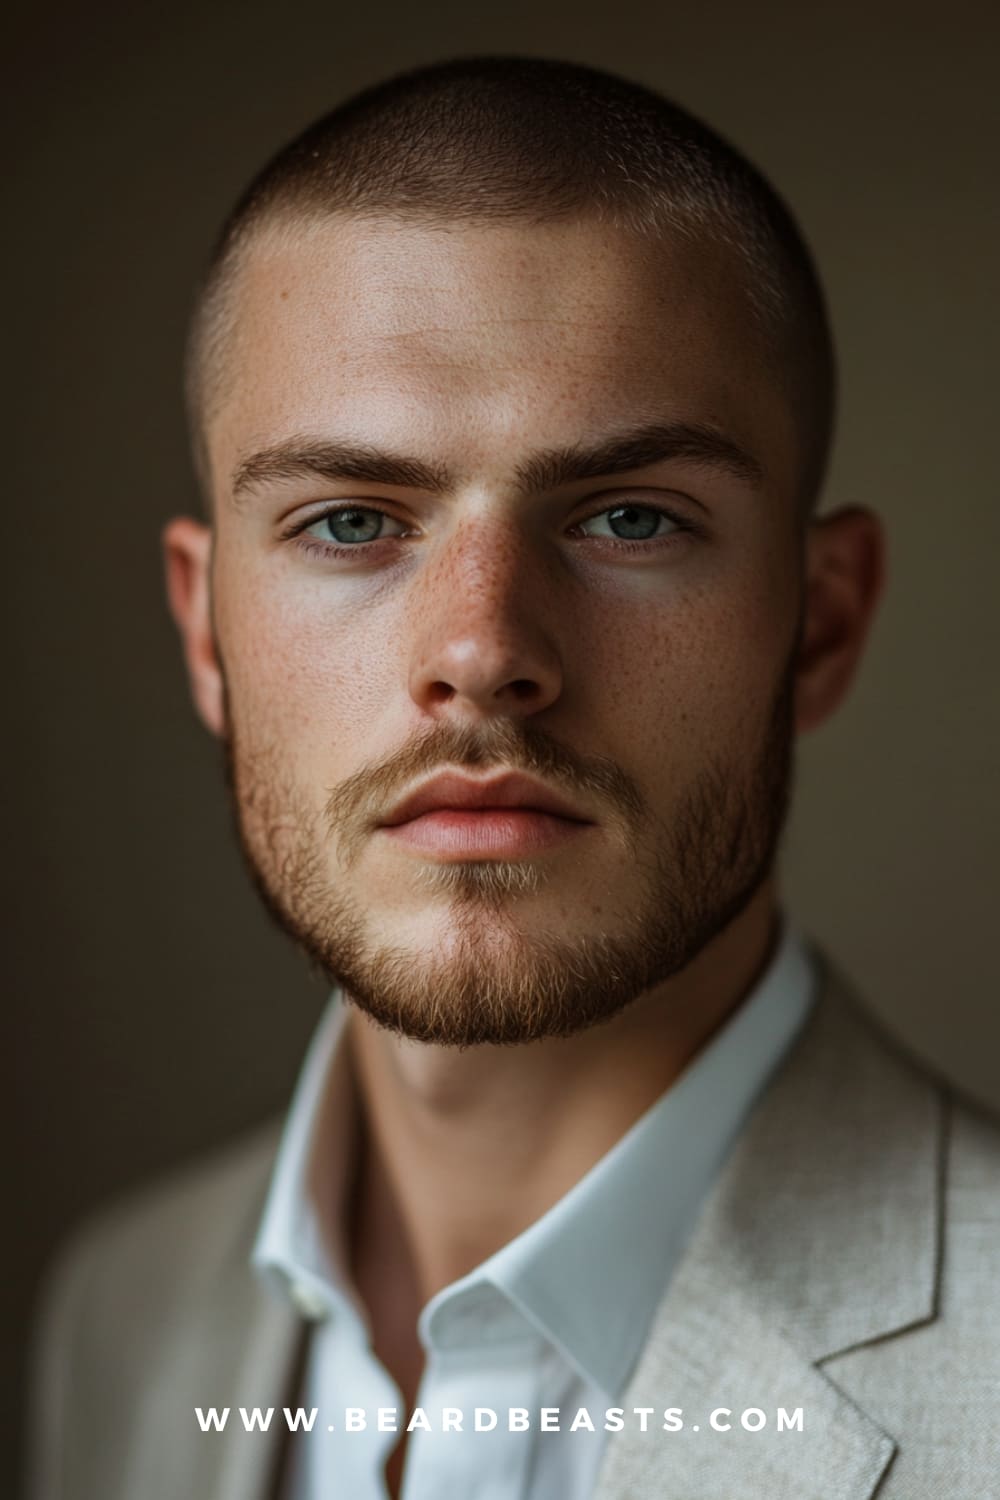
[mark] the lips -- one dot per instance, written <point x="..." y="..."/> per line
<point x="462" y="794"/>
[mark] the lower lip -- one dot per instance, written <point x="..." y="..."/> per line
<point x="497" y="833"/>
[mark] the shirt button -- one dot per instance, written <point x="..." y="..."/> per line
<point x="310" y="1302"/>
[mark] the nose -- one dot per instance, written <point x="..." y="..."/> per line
<point x="481" y="648"/>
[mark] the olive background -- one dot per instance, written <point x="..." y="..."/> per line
<point x="152" y="1010"/>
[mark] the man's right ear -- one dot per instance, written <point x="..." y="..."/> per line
<point x="187" y="556"/>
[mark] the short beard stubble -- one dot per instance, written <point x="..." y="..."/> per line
<point x="495" y="984"/>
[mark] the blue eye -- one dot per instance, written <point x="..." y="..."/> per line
<point x="631" y="523"/>
<point x="351" y="524"/>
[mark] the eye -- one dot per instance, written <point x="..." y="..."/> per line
<point x="631" y="523"/>
<point x="353" y="523"/>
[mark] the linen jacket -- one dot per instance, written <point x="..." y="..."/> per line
<point x="846" y="1261"/>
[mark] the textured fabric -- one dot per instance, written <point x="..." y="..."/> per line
<point x="532" y="1326"/>
<point x="846" y="1262"/>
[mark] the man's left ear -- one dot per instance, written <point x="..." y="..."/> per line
<point x="845" y="575"/>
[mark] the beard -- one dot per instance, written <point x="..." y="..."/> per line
<point x="490" y="981"/>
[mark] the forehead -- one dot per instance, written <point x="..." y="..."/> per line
<point x="486" y="339"/>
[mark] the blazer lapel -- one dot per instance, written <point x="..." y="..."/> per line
<point x="237" y="1344"/>
<point x="236" y="1464"/>
<point x="821" y="1233"/>
<point x="721" y="1356"/>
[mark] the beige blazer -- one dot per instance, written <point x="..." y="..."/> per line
<point x="847" y="1261"/>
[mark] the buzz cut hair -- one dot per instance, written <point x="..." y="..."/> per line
<point x="489" y="140"/>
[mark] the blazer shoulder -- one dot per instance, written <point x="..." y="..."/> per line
<point x="970" y="1165"/>
<point x="156" y="1248"/>
<point x="972" y="1193"/>
<point x="187" y="1222"/>
<point x="120" y="1291"/>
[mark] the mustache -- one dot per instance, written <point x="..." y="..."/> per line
<point x="357" y="803"/>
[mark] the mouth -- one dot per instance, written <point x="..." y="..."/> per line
<point x="488" y="833"/>
<point x="454" y="817"/>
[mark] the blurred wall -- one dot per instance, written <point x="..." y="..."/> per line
<point x="152" y="1010"/>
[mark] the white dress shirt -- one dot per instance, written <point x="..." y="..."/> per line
<point x="555" y="1319"/>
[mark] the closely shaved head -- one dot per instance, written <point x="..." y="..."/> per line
<point x="494" y="140"/>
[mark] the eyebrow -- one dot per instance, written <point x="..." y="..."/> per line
<point x="549" y="469"/>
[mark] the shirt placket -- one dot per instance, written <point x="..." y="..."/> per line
<point x="481" y="1356"/>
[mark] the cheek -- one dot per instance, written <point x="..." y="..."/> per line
<point x="306" y="670"/>
<point x="695" y="674"/>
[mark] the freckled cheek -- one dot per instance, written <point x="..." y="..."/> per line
<point x="307" y="676"/>
<point x="690" y="677"/>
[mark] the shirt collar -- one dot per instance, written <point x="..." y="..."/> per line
<point x="623" y="1225"/>
<point x="290" y="1251"/>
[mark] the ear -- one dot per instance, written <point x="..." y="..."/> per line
<point x="187" y="556"/>
<point x="845" y="576"/>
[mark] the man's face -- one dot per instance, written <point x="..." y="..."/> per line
<point x="622" y="635"/>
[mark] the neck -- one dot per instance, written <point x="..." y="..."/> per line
<point x="465" y="1149"/>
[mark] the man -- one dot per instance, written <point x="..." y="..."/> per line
<point x="511" y="391"/>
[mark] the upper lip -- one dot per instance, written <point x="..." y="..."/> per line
<point x="451" y="790"/>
